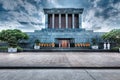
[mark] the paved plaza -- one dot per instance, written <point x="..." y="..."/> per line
<point x="60" y="59"/>
<point x="59" y="74"/>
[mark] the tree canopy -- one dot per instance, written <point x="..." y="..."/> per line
<point x="94" y="41"/>
<point x="12" y="36"/>
<point x="113" y="35"/>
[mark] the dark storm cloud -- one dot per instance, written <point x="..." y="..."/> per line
<point x="1" y="8"/>
<point x="108" y="9"/>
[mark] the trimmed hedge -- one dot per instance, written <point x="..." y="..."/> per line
<point x="19" y="49"/>
<point x="5" y="48"/>
<point x="116" y="48"/>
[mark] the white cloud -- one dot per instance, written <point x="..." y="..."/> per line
<point x="8" y="4"/>
<point x="54" y="3"/>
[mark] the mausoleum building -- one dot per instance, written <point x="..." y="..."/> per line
<point x="63" y="29"/>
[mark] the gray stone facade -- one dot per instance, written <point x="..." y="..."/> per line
<point x="50" y="36"/>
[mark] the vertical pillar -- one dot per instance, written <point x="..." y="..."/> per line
<point x="59" y="44"/>
<point x="66" y="15"/>
<point x="59" y="21"/>
<point x="46" y="20"/>
<point x="73" y="21"/>
<point x="69" y="44"/>
<point x="80" y="21"/>
<point x="53" y="17"/>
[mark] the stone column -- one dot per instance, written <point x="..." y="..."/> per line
<point x="73" y="21"/>
<point x="80" y="21"/>
<point x="59" y="21"/>
<point x="69" y="45"/>
<point x="46" y="20"/>
<point x="53" y="17"/>
<point x="66" y="16"/>
<point x="59" y="45"/>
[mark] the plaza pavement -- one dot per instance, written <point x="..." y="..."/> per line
<point x="60" y="59"/>
<point x="59" y="74"/>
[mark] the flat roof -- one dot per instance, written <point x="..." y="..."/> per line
<point x="63" y="10"/>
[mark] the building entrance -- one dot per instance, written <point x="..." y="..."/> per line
<point x="64" y="42"/>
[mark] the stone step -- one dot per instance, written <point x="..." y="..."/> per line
<point x="67" y="50"/>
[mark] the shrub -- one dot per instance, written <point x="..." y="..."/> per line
<point x="37" y="41"/>
<point x="94" y="41"/>
<point x="115" y="48"/>
<point x="3" y="48"/>
<point x="19" y="49"/>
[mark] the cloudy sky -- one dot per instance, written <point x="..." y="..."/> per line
<point x="27" y="15"/>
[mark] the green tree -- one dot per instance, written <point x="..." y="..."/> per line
<point x="113" y="36"/>
<point x="12" y="37"/>
<point x="94" y="41"/>
<point x="12" y="41"/>
<point x="37" y="41"/>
